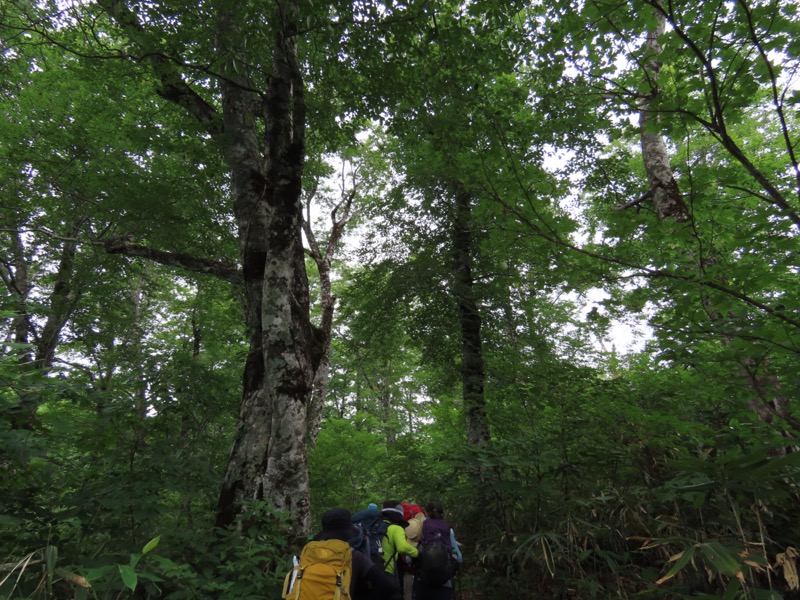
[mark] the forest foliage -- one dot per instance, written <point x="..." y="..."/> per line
<point x="486" y="193"/>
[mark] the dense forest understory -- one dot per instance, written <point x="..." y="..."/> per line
<point x="536" y="261"/>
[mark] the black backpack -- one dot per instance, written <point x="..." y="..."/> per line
<point x="436" y="564"/>
<point x="373" y="530"/>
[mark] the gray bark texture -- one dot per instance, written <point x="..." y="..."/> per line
<point x="663" y="190"/>
<point x="262" y="136"/>
<point x="268" y="460"/>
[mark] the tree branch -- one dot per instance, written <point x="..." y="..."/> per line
<point x="776" y="99"/>
<point x="639" y="200"/>
<point x="173" y="87"/>
<point x="222" y="269"/>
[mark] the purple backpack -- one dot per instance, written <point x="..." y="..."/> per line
<point x="436" y="564"/>
<point x="436" y="530"/>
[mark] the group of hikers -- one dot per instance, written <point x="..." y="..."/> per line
<point x="400" y="552"/>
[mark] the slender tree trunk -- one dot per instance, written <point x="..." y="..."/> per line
<point x="134" y="342"/>
<point x="318" y="396"/>
<point x="63" y="300"/>
<point x="61" y="303"/>
<point x="472" y="368"/>
<point x="197" y="334"/>
<point x="664" y="189"/>
<point x="15" y="277"/>
<point x="328" y="300"/>
<point x="388" y="410"/>
<point x="766" y="401"/>
<point x="341" y="216"/>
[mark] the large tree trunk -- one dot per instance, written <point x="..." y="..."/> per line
<point x="268" y="459"/>
<point x="292" y="348"/>
<point x="261" y="134"/>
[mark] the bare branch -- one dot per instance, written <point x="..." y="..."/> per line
<point x="648" y="194"/>
<point x="222" y="269"/>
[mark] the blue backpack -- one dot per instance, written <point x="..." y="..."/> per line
<point x="372" y="530"/>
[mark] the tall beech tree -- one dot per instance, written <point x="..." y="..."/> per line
<point x="180" y="133"/>
<point x="232" y="75"/>
<point x="473" y="372"/>
<point x="456" y="146"/>
<point x="265" y="159"/>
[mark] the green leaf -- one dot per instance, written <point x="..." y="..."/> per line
<point x="681" y="560"/>
<point x="151" y="545"/>
<point x="98" y="572"/>
<point x="720" y="558"/>
<point x="129" y="577"/>
<point x="51" y="557"/>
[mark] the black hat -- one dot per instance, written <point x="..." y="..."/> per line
<point x="337" y="524"/>
<point x="393" y="511"/>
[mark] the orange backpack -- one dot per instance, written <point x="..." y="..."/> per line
<point x="324" y="572"/>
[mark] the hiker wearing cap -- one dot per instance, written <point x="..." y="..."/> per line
<point x="370" y="511"/>
<point x="395" y="543"/>
<point x="368" y="581"/>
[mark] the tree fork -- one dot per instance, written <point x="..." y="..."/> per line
<point x="268" y="460"/>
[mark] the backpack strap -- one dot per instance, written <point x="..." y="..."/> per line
<point x="291" y="585"/>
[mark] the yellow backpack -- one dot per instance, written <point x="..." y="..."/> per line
<point x="323" y="573"/>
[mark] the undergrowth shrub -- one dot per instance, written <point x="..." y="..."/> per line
<point x="247" y="561"/>
<point x="712" y="514"/>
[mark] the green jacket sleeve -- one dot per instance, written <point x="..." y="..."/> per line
<point x="401" y="545"/>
